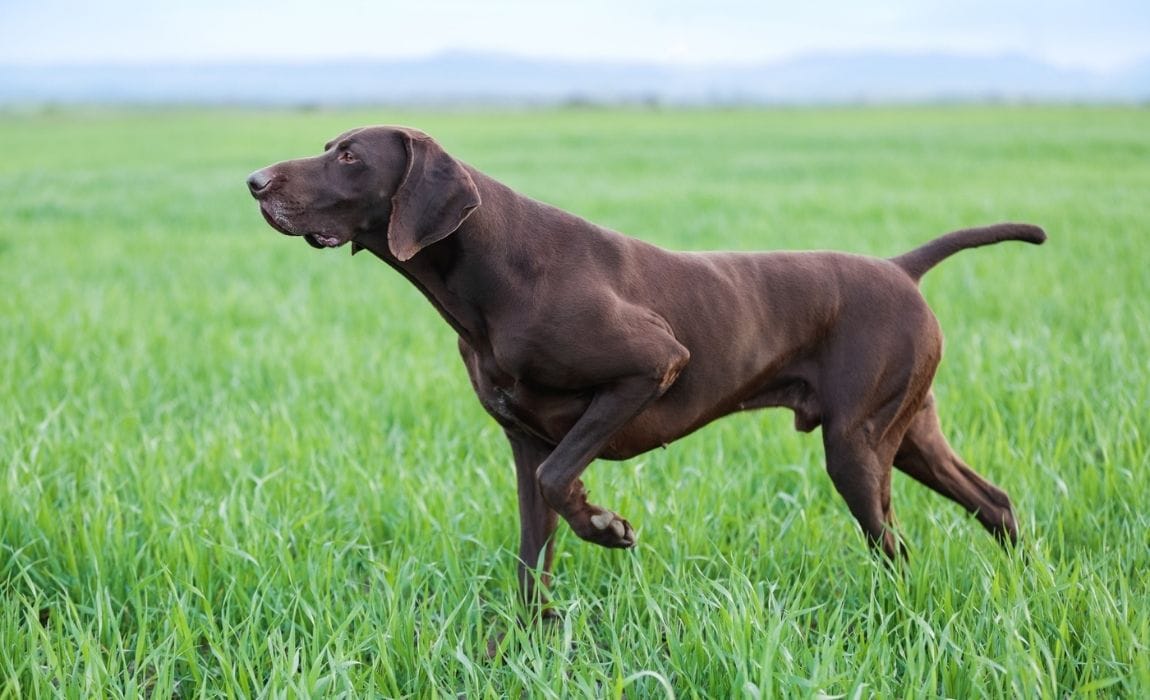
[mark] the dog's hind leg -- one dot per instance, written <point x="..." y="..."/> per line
<point x="925" y="455"/>
<point x="863" y="480"/>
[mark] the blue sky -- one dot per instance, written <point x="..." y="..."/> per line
<point x="1100" y="34"/>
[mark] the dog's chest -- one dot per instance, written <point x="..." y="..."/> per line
<point x="517" y="405"/>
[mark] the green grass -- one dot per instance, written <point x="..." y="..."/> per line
<point x="233" y="466"/>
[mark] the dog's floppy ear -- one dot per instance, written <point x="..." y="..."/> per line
<point x="431" y="202"/>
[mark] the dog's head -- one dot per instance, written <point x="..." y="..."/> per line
<point x="370" y="180"/>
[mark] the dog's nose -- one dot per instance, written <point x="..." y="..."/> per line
<point x="259" y="181"/>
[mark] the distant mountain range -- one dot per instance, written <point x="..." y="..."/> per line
<point x="496" y="78"/>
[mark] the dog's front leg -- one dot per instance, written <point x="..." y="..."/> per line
<point x="616" y="403"/>
<point x="537" y="522"/>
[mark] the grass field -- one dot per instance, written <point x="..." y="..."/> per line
<point x="233" y="466"/>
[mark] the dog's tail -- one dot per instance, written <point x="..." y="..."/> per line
<point x="917" y="262"/>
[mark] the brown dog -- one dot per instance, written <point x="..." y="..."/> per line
<point x="584" y="343"/>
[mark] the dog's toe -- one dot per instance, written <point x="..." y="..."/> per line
<point x="603" y="520"/>
<point x="609" y="530"/>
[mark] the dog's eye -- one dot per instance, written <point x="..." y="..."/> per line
<point x="347" y="157"/>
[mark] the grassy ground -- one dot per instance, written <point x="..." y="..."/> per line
<point x="235" y="466"/>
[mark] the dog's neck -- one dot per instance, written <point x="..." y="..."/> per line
<point x="431" y="270"/>
<point x="491" y="233"/>
<point x="430" y="279"/>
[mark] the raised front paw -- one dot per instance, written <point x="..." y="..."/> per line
<point x="607" y="529"/>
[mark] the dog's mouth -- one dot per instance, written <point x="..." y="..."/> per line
<point x="278" y="220"/>
<point x="322" y="240"/>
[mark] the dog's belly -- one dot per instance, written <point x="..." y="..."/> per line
<point x="673" y="415"/>
<point x="549" y="414"/>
